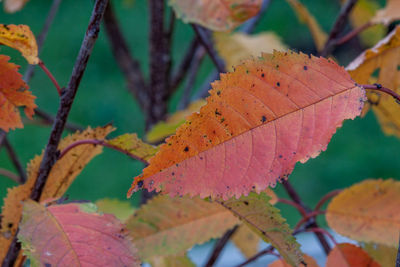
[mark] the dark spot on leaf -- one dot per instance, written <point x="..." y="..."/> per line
<point x="278" y="84"/>
<point x="263" y="118"/>
<point x="262" y="75"/>
<point x="218" y="92"/>
<point x="140" y="184"/>
<point x="217" y="112"/>
<point x="305" y="68"/>
<point x="10" y="225"/>
<point x="186" y="149"/>
<point x="47" y="264"/>
<point x="246" y="203"/>
<point x="172" y="173"/>
<point x="264" y="233"/>
<point x="280" y="156"/>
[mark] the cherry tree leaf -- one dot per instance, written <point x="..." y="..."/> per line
<point x="74" y="235"/>
<point x="132" y="144"/>
<point x="233" y="48"/>
<point x="260" y="120"/>
<point x="388" y="14"/>
<point x="172" y="261"/>
<point x="265" y="220"/>
<point x="385" y="57"/>
<point x="20" y="38"/>
<point x="368" y="212"/>
<point x="13" y="94"/>
<point x="349" y="255"/>
<point x="384" y="255"/>
<point x="120" y="209"/>
<point x="169" y="226"/>
<point x="305" y="17"/>
<point x="307" y="259"/>
<point x="12" y="6"/>
<point x="60" y="178"/>
<point x="216" y="15"/>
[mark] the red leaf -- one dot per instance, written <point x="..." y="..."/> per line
<point x="349" y="255"/>
<point x="260" y="120"/>
<point x="74" y="235"/>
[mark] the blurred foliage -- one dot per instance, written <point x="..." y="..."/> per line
<point x="359" y="150"/>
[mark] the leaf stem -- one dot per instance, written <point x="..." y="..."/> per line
<point x="378" y="87"/>
<point x="10" y="175"/>
<point x="353" y="33"/>
<point x="326" y="198"/>
<point x="294" y="204"/>
<point x="52" y="78"/>
<point x="219" y="246"/>
<point x="98" y="142"/>
<point x="308" y="217"/>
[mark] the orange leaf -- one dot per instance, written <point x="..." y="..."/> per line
<point x="219" y="15"/>
<point x="368" y="212"/>
<point x="21" y="38"/>
<point x="74" y="235"/>
<point x="12" y="6"/>
<point x="307" y="259"/>
<point x="13" y="94"/>
<point x="349" y="255"/>
<point x="260" y="120"/>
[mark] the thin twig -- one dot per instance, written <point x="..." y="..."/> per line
<point x="294" y="204"/>
<point x="353" y="33"/>
<point x="50" y="75"/>
<point x="250" y="25"/>
<point x="380" y="88"/>
<point x="194" y="68"/>
<point x="126" y="62"/>
<point x="15" y="160"/>
<point x="338" y="27"/>
<point x="312" y="223"/>
<point x="168" y="40"/>
<point x="325" y="198"/>
<point x="98" y="142"/>
<point x="308" y="217"/>
<point x="398" y="254"/>
<point x="263" y="252"/>
<point x="322" y="231"/>
<point x="49" y="119"/>
<point x="10" y="175"/>
<point x="42" y="36"/>
<point x="219" y="246"/>
<point x="183" y="67"/>
<point x="205" y="38"/>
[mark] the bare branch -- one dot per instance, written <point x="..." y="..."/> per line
<point x="128" y="65"/>
<point x="338" y="27"/>
<point x="15" y="160"/>
<point x="219" y="246"/>
<point x="353" y="33"/>
<point x="10" y="175"/>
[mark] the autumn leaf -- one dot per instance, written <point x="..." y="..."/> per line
<point x="169" y="226"/>
<point x="20" y="38"/>
<point x="132" y="144"/>
<point x="12" y="6"/>
<point x="388" y="14"/>
<point x="307" y="259"/>
<point x="172" y="261"/>
<point x="166" y="128"/>
<point x="260" y="120"/>
<point x="233" y="48"/>
<point x="216" y="15"/>
<point x="74" y="235"/>
<point x="60" y="178"/>
<point x="385" y="57"/>
<point x="384" y="255"/>
<point x="361" y="14"/>
<point x="367" y="212"/>
<point x="13" y="94"/>
<point x="305" y="17"/>
<point x="246" y="241"/>
<point x="120" y="209"/>
<point x="265" y="220"/>
<point x="349" y="255"/>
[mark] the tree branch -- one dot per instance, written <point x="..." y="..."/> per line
<point x="380" y="88"/>
<point x="353" y="33"/>
<point x="128" y="65"/>
<point x="398" y="255"/>
<point x="10" y="175"/>
<point x="338" y="27"/>
<point x="312" y="223"/>
<point x="17" y="163"/>
<point x="49" y="119"/>
<point x="205" y="38"/>
<point x="219" y="246"/>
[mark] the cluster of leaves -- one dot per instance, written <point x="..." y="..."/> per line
<point x="214" y="171"/>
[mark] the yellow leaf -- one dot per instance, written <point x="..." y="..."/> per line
<point x="168" y="226"/>
<point x="12" y="6"/>
<point x="172" y="261"/>
<point x="132" y="144"/>
<point x="234" y="48"/>
<point x="385" y="57"/>
<point x="246" y="240"/>
<point x="60" y="178"/>
<point x="388" y="14"/>
<point x="368" y="212"/>
<point x="384" y="255"/>
<point x="362" y="12"/>
<point x="166" y="128"/>
<point x="307" y="259"/>
<point x="305" y="17"/>
<point x="120" y="209"/>
<point x="20" y="38"/>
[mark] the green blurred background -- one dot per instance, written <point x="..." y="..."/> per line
<point x="358" y="151"/>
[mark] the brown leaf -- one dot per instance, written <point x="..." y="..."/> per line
<point x="349" y="255"/>
<point x="388" y="14"/>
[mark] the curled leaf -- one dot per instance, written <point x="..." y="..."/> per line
<point x="368" y="212"/>
<point x="13" y="94"/>
<point x="216" y="15"/>
<point x="74" y="235"/>
<point x="260" y="120"/>
<point x="20" y="38"/>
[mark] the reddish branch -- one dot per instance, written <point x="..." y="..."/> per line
<point x="380" y="88"/>
<point x="294" y="204"/>
<point x="308" y="217"/>
<point x="98" y="142"/>
<point x="219" y="246"/>
<point x="326" y="198"/>
<point x="322" y="231"/>
<point x="353" y="33"/>
<point x="338" y="27"/>
<point x="10" y="175"/>
<point x="15" y="160"/>
<point x="52" y="78"/>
